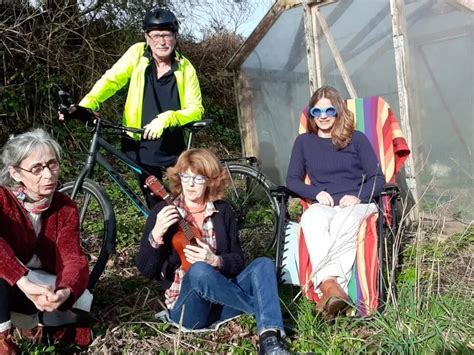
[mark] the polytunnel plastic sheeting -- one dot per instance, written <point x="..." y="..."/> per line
<point x="364" y="41"/>
<point x="276" y="73"/>
<point x="277" y="109"/>
<point x="440" y="37"/>
<point x="282" y="47"/>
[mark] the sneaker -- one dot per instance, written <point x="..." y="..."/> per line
<point x="271" y="345"/>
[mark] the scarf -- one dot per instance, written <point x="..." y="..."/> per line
<point x="30" y="204"/>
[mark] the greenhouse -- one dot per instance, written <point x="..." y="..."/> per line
<point x="417" y="55"/>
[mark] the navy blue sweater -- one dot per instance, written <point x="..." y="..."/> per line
<point x="353" y="170"/>
<point x="150" y="260"/>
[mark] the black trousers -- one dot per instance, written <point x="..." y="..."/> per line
<point x="13" y="299"/>
<point x="131" y="148"/>
<point x="150" y="199"/>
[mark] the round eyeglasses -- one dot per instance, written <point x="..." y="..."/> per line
<point x="197" y="179"/>
<point x="317" y="112"/>
<point x="52" y="165"/>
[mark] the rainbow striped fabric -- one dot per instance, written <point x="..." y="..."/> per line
<point x="374" y="117"/>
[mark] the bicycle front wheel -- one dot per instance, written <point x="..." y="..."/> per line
<point x="257" y="211"/>
<point x="97" y="223"/>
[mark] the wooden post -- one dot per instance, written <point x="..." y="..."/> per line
<point x="310" y="47"/>
<point x="235" y="76"/>
<point x="317" y="52"/>
<point x="466" y="3"/>
<point x="335" y="53"/>
<point x="401" y="63"/>
<point x="247" y="124"/>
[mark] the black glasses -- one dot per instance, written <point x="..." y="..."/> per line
<point x="317" y="112"/>
<point x="52" y="165"/>
<point x="197" y="179"/>
<point x="166" y="36"/>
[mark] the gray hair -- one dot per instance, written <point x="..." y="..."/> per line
<point x="20" y="147"/>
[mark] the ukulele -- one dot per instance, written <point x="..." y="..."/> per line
<point x="186" y="234"/>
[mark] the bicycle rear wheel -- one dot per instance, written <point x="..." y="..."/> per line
<point x="256" y="209"/>
<point x="97" y="223"/>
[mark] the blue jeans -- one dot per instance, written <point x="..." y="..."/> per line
<point x="208" y="296"/>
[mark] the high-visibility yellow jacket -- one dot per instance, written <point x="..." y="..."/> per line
<point x="131" y="68"/>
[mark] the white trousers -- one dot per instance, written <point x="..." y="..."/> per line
<point x="330" y="234"/>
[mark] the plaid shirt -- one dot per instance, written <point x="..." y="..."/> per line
<point x="208" y="236"/>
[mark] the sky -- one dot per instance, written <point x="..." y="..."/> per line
<point x="204" y="10"/>
<point x="262" y="7"/>
<point x="261" y="10"/>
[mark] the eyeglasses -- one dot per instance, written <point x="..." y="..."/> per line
<point x="155" y="36"/>
<point x="52" y="165"/>
<point x="197" y="179"/>
<point x="317" y="112"/>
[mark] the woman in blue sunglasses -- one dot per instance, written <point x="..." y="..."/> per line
<point x="345" y="176"/>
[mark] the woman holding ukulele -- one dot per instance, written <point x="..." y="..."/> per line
<point x="216" y="286"/>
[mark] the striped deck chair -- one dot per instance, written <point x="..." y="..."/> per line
<point x="374" y="117"/>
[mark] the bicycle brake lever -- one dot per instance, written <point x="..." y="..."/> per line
<point x="122" y="128"/>
<point x="64" y="102"/>
<point x="133" y="130"/>
<point x="73" y="111"/>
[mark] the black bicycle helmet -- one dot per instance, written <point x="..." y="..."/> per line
<point x="160" y="19"/>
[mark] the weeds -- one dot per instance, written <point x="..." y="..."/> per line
<point x="432" y="312"/>
<point x="429" y="311"/>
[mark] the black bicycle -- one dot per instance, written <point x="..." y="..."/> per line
<point x="248" y="193"/>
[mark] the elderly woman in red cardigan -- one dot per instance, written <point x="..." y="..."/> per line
<point x="39" y="235"/>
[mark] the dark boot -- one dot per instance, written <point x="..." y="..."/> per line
<point x="334" y="300"/>
<point x="7" y="343"/>
<point x="270" y="343"/>
<point x="34" y="335"/>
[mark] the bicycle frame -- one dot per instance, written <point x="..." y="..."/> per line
<point x="247" y="193"/>
<point x="95" y="157"/>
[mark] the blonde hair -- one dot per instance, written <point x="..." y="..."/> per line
<point x="344" y="126"/>
<point x="203" y="162"/>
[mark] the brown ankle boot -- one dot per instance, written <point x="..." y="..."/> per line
<point x="34" y="335"/>
<point x="7" y="343"/>
<point x="334" y="299"/>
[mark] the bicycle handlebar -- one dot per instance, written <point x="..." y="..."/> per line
<point x="73" y="111"/>
<point x="77" y="112"/>
<point x="86" y="115"/>
<point x="119" y="127"/>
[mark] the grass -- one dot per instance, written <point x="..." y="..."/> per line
<point x="431" y="313"/>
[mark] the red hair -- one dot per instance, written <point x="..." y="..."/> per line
<point x="203" y="162"/>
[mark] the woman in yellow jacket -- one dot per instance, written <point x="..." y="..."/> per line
<point x="163" y="94"/>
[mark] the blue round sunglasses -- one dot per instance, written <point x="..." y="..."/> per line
<point x="317" y="112"/>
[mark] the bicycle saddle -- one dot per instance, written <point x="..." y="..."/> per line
<point x="196" y="126"/>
